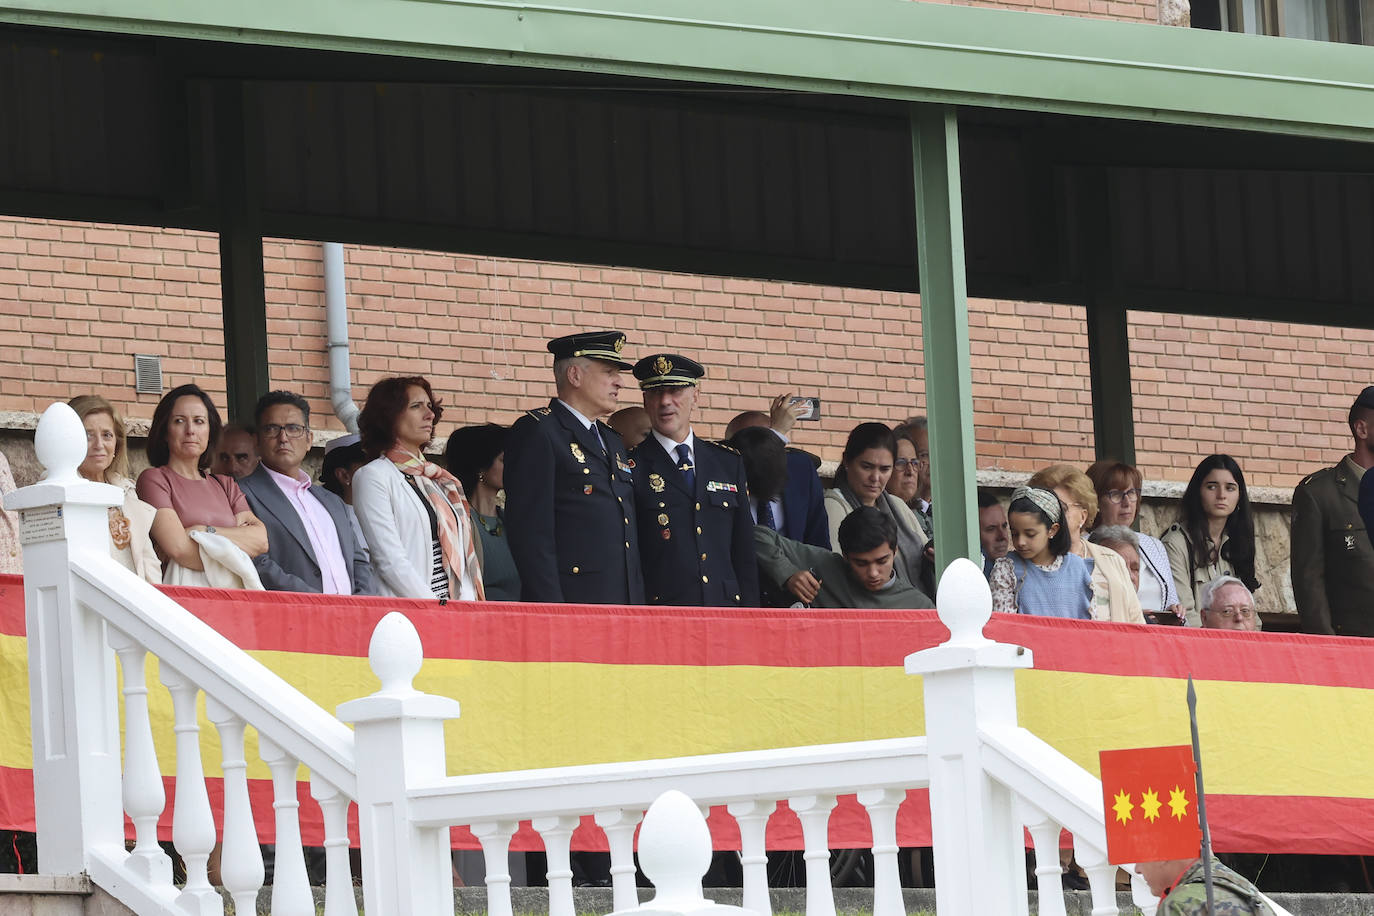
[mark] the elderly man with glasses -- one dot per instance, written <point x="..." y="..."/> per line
<point x="1228" y="605"/>
<point x="311" y="543"/>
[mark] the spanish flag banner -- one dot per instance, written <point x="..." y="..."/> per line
<point x="1150" y="798"/>
<point x="1284" y="722"/>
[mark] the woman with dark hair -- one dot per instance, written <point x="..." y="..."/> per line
<point x="861" y="480"/>
<point x="414" y="513"/>
<point x="187" y="499"/>
<point x="1215" y="533"/>
<point x="476" y="455"/>
<point x="107" y="461"/>
<point x="1118" y="502"/>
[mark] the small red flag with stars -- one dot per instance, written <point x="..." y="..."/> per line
<point x="1150" y="798"/>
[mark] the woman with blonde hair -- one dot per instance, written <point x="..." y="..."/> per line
<point x="107" y="461"/>
<point x="1114" y="597"/>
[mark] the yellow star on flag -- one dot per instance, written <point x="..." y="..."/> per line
<point x="1149" y="805"/>
<point x="1178" y="802"/>
<point x="1123" y="807"/>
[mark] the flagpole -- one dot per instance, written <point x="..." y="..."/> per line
<point x="1201" y="798"/>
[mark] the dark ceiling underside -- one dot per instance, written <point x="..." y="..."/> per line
<point x="563" y="166"/>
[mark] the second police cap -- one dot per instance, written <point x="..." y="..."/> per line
<point x="667" y="370"/>
<point x="602" y="345"/>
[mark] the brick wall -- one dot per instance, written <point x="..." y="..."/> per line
<point x="77" y="301"/>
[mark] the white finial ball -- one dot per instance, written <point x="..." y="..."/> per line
<point x="964" y="602"/>
<point x="395" y="654"/>
<point x="675" y="846"/>
<point x="60" y="443"/>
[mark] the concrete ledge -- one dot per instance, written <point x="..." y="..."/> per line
<point x="45" y="884"/>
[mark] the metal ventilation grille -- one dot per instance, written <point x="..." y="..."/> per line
<point x="148" y="374"/>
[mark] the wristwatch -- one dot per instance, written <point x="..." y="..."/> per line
<point x="209" y="529"/>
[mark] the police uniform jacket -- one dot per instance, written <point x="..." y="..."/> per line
<point x="697" y="545"/>
<point x="1332" y="557"/>
<point x="570" y="511"/>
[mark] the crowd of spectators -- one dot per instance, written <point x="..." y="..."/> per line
<point x="232" y="504"/>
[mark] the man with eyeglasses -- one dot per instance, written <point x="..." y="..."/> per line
<point x="1228" y="605"/>
<point x="311" y="544"/>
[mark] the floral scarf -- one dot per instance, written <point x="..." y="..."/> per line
<point x="451" y="510"/>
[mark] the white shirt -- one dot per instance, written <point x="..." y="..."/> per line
<point x="586" y="424"/>
<point x="778" y="513"/>
<point x="670" y="446"/>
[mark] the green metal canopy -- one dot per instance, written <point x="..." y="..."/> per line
<point x="875" y="143"/>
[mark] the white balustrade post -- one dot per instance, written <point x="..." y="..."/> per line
<point x="193" y="825"/>
<point x="814" y="811"/>
<point x="556" y="833"/>
<point x="399" y="743"/>
<point x="339" y="899"/>
<point x="969" y="683"/>
<point x="1049" y="874"/>
<point x="73" y="717"/>
<point x="1101" y="877"/>
<point x="240" y="861"/>
<point x="882" y="805"/>
<point x="619" y="824"/>
<point x="752" y="818"/>
<point x="144" y="794"/>
<point x="1141" y="895"/>
<point x="495" y="839"/>
<point x="675" y="852"/>
<point x="290" y="886"/>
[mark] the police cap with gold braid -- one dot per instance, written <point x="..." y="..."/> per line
<point x="667" y="370"/>
<point x="602" y="345"/>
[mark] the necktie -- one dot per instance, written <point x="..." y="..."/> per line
<point x="766" y="518"/>
<point x="684" y="464"/>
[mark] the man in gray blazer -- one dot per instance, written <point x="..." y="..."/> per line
<point x="311" y="546"/>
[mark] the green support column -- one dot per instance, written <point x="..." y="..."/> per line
<point x="242" y="284"/>
<point x="1109" y="333"/>
<point x="944" y="330"/>
<point x="1109" y="365"/>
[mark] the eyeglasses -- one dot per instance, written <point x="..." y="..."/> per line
<point x="1118" y="496"/>
<point x="292" y="430"/>
<point x="902" y="464"/>
<point x="1233" y="612"/>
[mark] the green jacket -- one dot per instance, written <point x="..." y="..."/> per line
<point x="779" y="558"/>
<point x="1232" y="895"/>
<point x="1332" y="557"/>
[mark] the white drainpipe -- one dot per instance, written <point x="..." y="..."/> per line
<point x="336" y="318"/>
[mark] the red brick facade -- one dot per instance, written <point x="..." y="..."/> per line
<point x="78" y="301"/>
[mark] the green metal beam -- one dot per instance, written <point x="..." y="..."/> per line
<point x="242" y="284"/>
<point x="876" y="48"/>
<point x="944" y="332"/>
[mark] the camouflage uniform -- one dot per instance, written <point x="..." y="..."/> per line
<point x="1232" y="895"/>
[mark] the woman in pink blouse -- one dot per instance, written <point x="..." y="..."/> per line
<point x="184" y="427"/>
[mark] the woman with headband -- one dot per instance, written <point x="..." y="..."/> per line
<point x="1040" y="576"/>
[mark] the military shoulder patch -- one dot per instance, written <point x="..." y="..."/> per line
<point x="538" y="413"/>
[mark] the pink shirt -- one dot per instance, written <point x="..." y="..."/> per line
<point x="212" y="500"/>
<point x="319" y="528"/>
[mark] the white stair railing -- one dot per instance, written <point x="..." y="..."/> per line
<point x="988" y="778"/>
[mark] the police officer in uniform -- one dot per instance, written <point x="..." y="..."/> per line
<point x="570" y="503"/>
<point x="1331" y="555"/>
<point x="696" y="534"/>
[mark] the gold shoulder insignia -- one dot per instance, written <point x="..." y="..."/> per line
<point x="731" y="449"/>
<point x="538" y="413"/>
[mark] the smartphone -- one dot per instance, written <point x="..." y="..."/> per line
<point x="813" y="408"/>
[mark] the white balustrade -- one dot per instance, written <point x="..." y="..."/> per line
<point x="986" y="775"/>
<point x="240" y="863"/>
<point x="619" y="825"/>
<point x="495" y="839"/>
<point x="339" y="899"/>
<point x="556" y="833"/>
<point x="144" y="795"/>
<point x="752" y="818"/>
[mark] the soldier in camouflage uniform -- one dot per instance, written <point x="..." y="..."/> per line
<point x="1180" y="883"/>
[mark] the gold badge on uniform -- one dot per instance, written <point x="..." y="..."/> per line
<point x="656" y="482"/>
<point x="577" y="453"/>
<point x="662" y="366"/>
<point x="663" y="519"/>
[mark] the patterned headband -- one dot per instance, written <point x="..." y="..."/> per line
<point x="1045" y="500"/>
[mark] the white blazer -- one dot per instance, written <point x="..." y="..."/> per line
<point x="397" y="530"/>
